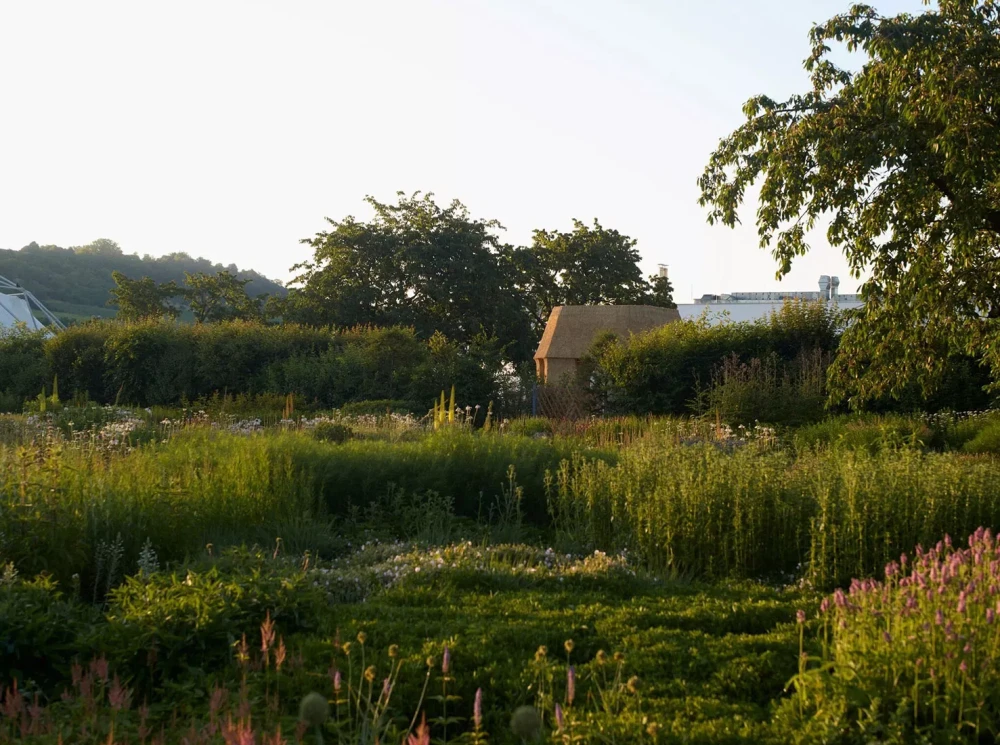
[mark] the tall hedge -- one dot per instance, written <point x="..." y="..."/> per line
<point x="160" y="362"/>
<point x="664" y="371"/>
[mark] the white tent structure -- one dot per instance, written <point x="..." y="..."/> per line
<point x="19" y="306"/>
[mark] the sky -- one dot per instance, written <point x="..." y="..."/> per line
<point x="230" y="128"/>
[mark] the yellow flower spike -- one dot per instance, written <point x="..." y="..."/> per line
<point x="451" y="409"/>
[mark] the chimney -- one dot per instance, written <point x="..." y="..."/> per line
<point x="824" y="287"/>
<point x="834" y="284"/>
<point x="663" y="269"/>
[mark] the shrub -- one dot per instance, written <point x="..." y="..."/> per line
<point x="662" y="371"/>
<point x="769" y="390"/>
<point x="39" y="629"/>
<point x="23" y="370"/>
<point x="167" y="626"/>
<point x="986" y="440"/>
<point x="332" y="432"/>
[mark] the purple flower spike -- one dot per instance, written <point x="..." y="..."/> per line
<point x="990" y="615"/>
<point x="336" y="681"/>
<point x="963" y="667"/>
<point x="446" y="660"/>
<point x="825" y="605"/>
<point x="887" y="637"/>
<point x="477" y="709"/>
<point x="559" y="716"/>
<point x="570" y="684"/>
<point x="939" y="617"/>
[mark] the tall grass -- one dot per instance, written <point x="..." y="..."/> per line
<point x="828" y="514"/>
<point x="70" y="509"/>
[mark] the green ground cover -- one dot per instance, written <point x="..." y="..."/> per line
<point x="146" y="553"/>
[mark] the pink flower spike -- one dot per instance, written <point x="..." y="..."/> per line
<point x="477" y="709"/>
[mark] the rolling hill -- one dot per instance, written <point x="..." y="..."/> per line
<point x="74" y="282"/>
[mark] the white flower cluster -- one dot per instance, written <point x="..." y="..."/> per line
<point x="378" y="566"/>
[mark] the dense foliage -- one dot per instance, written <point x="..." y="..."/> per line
<point x="774" y="370"/>
<point x="901" y="157"/>
<point x="205" y="574"/>
<point x="161" y="362"/>
<point x="74" y="282"/>
<point x="439" y="269"/>
<point x="667" y="370"/>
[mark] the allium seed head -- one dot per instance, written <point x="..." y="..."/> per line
<point x="568" y="646"/>
<point x="314" y="709"/>
<point x="526" y="723"/>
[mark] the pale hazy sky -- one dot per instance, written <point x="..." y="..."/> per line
<point x="230" y="128"/>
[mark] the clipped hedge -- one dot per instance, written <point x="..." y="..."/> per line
<point x="154" y="362"/>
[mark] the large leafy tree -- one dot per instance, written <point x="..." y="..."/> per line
<point x="902" y="158"/>
<point x="415" y="263"/>
<point x="220" y="297"/>
<point x="586" y="266"/>
<point x="137" y="299"/>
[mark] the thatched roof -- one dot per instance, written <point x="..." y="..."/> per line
<point x="571" y="329"/>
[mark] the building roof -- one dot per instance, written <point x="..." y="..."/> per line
<point x="571" y="329"/>
<point x="720" y="312"/>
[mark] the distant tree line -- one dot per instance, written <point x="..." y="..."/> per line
<point x="74" y="282"/>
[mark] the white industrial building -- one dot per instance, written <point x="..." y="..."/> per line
<point x="18" y="306"/>
<point x="749" y="306"/>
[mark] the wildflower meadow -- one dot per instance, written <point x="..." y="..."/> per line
<point x="201" y="576"/>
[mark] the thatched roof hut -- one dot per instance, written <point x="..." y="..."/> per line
<point x="572" y="329"/>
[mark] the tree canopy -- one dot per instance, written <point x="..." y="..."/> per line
<point x="137" y="299"/>
<point x="438" y="269"/>
<point x="588" y="266"/>
<point x="902" y="157"/>
<point x="220" y="297"/>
